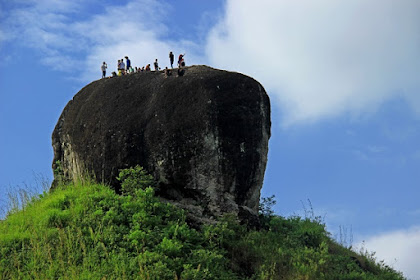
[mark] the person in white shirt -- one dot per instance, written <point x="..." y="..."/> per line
<point x="103" y="68"/>
<point x="123" y="66"/>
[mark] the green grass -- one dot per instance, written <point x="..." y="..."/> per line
<point x="87" y="231"/>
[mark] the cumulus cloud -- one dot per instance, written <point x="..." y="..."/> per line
<point x="317" y="59"/>
<point x="399" y="249"/>
<point x="323" y="58"/>
<point x="44" y="25"/>
<point x="71" y="38"/>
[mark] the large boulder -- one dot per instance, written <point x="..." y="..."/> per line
<point x="203" y="136"/>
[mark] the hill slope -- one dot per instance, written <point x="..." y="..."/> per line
<point x="87" y="231"/>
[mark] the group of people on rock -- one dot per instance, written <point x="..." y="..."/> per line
<point x="126" y="68"/>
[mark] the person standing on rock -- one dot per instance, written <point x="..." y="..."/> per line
<point x="156" y="65"/>
<point x="122" y="67"/>
<point x="103" y="68"/>
<point x="181" y="62"/>
<point x="128" y="62"/>
<point x="171" y="59"/>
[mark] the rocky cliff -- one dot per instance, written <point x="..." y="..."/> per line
<point x="203" y="136"/>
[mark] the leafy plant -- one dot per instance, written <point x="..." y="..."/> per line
<point x="135" y="178"/>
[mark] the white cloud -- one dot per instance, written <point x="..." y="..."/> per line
<point x="323" y="58"/>
<point x="399" y="249"/>
<point x="79" y="44"/>
<point x="51" y="5"/>
<point x="317" y="58"/>
<point x="44" y="25"/>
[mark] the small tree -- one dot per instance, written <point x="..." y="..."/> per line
<point x="266" y="206"/>
<point x="266" y="211"/>
<point x="135" y="178"/>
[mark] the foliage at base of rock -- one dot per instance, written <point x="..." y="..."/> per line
<point x="87" y="231"/>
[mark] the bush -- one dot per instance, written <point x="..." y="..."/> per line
<point x="135" y="178"/>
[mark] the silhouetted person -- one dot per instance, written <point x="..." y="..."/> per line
<point x="128" y="62"/>
<point x="156" y="65"/>
<point x="171" y="59"/>
<point x="181" y="72"/>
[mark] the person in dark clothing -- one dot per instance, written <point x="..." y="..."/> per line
<point x="128" y="63"/>
<point x="181" y="72"/>
<point x="171" y="59"/>
<point x="156" y="65"/>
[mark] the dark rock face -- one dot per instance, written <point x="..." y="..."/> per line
<point x="203" y="136"/>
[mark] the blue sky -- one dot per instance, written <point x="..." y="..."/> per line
<point x="343" y="78"/>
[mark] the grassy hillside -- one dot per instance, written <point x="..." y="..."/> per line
<point x="87" y="231"/>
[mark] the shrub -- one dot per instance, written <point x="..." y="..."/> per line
<point x="134" y="178"/>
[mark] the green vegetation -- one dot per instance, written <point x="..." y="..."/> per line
<point x="87" y="231"/>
